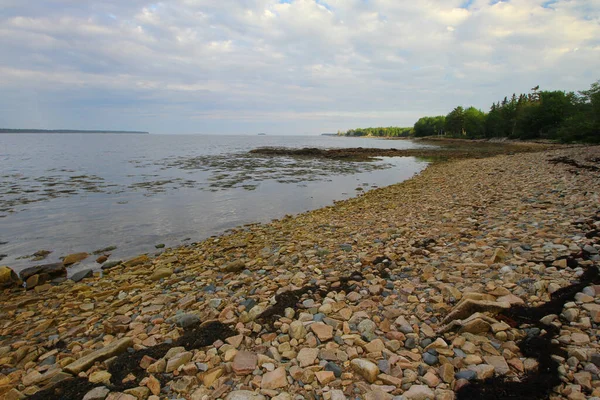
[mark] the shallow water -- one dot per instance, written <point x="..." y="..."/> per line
<point x="81" y="192"/>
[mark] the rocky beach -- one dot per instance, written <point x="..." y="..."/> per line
<point x="476" y="279"/>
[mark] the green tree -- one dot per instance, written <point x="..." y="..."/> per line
<point x="455" y="122"/>
<point x="474" y="123"/>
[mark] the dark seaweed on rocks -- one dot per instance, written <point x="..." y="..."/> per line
<point x="126" y="364"/>
<point x="573" y="163"/>
<point x="284" y="300"/>
<point x="71" y="389"/>
<point x="539" y="384"/>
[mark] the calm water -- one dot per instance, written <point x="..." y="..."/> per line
<point x="81" y="192"/>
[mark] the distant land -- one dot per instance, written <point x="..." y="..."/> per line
<point x="329" y="134"/>
<point x="2" y="130"/>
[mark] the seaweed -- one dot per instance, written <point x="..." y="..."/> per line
<point x="541" y="383"/>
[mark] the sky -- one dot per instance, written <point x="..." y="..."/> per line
<point x="282" y="66"/>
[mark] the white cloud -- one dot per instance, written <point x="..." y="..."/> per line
<point x="345" y="63"/>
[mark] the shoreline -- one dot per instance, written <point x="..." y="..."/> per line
<point x="439" y="230"/>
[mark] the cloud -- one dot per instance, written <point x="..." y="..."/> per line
<point x="299" y="65"/>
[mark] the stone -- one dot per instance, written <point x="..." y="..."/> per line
<point x="120" y="396"/>
<point x="74" y="258"/>
<point x="324" y="332"/>
<point x="153" y="384"/>
<point x="244" y="363"/>
<point x="483" y="371"/>
<point x="325" y="377"/>
<point x="100" y="377"/>
<point x="378" y="394"/>
<point x="113" y="349"/>
<point x="134" y="262"/>
<point x="244" y="395"/>
<point x="297" y="330"/>
<point x="307" y="356"/>
<point x="499" y="364"/>
<point x="81" y="275"/>
<point x="55" y="270"/>
<point x="419" y="392"/>
<point x="468" y="307"/>
<point x="212" y="375"/>
<point x="8" y="277"/>
<point x="161" y="273"/>
<point x="98" y="393"/>
<point x="365" y="368"/>
<point x="337" y="395"/>
<point x="446" y="372"/>
<point x="234" y="266"/>
<point x="274" y="380"/>
<point x="178" y="360"/>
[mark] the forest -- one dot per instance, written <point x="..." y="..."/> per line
<point x="551" y="115"/>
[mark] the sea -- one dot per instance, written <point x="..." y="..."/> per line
<point x="68" y="193"/>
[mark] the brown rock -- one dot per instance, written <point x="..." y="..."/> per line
<point x="136" y="261"/>
<point x="274" y="380"/>
<point x="244" y="363"/>
<point x="365" y="368"/>
<point x="324" y="332"/>
<point x="74" y="258"/>
<point x="324" y="377"/>
<point x="8" y="277"/>
<point x="113" y="349"/>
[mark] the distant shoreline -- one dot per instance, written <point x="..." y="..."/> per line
<point x="66" y="131"/>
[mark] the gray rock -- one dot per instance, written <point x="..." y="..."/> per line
<point x="466" y="374"/>
<point x="98" y="393"/>
<point x="430" y="359"/>
<point x="81" y="275"/>
<point x="55" y="270"/>
<point x="333" y="367"/>
<point x="185" y="320"/>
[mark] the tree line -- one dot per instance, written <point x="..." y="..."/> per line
<point x="391" y="131"/>
<point x="553" y="115"/>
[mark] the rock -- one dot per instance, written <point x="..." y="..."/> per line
<point x="483" y="371"/>
<point x="186" y="320"/>
<point x="78" y="276"/>
<point x="378" y="394"/>
<point x="594" y="310"/>
<point x="275" y="379"/>
<point x="323" y="332"/>
<point x="325" y="377"/>
<point x="33" y="281"/>
<point x="244" y="395"/>
<point x="333" y="367"/>
<point x="74" y="258"/>
<point x="365" y="368"/>
<point x="430" y="359"/>
<point x="113" y="349"/>
<point x="584" y="379"/>
<point x="110" y="264"/>
<point x="136" y="261"/>
<point x="100" y="377"/>
<point x="161" y="273"/>
<point x="244" y="363"/>
<point x="419" y="392"/>
<point x="307" y="356"/>
<point x="102" y="259"/>
<point x="466" y="374"/>
<point x="212" y="375"/>
<point x="8" y="278"/>
<point x="337" y="395"/>
<point x="499" y="364"/>
<point x="297" y="330"/>
<point x="234" y="266"/>
<point x="178" y="360"/>
<point x="56" y="270"/>
<point x="467" y="307"/>
<point x="446" y="372"/>
<point x="98" y="393"/>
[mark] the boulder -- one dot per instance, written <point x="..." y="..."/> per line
<point x="55" y="270"/>
<point x="115" y="348"/>
<point x="78" y="276"/>
<point x="74" y="258"/>
<point x="136" y="261"/>
<point x="8" y="277"/>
